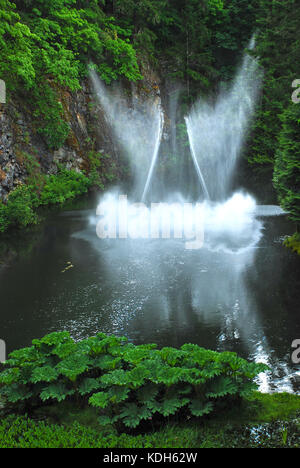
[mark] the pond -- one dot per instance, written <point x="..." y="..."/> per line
<point x="157" y="291"/>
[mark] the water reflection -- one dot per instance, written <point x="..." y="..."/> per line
<point x="164" y="293"/>
<point x="157" y="291"/>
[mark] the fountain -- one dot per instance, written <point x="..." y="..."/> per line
<point x="217" y="131"/>
<point x="137" y="127"/>
<point x="216" y="134"/>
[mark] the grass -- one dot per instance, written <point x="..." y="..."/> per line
<point x="264" y="420"/>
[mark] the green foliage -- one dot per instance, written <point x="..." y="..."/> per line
<point x="293" y="242"/>
<point x="101" y="169"/>
<point x="126" y="383"/>
<point x="63" y="186"/>
<point x="20" y="209"/>
<point x="226" y="430"/>
<point x="49" y="115"/>
<point x="45" y="45"/>
<point x="21" y="432"/>
<point x="278" y="48"/>
<point x="16" y="55"/>
<point x="287" y="163"/>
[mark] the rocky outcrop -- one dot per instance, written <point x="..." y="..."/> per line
<point x="19" y="138"/>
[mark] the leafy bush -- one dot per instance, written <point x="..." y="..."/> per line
<point x="63" y="186"/>
<point x="45" y="45"/>
<point x="127" y="383"/>
<point x="99" y="160"/>
<point x="19" y="211"/>
<point x="49" y="115"/>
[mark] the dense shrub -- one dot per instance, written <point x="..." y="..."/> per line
<point x="19" y="211"/>
<point x="126" y="383"/>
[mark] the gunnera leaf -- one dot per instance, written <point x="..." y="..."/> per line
<point x="9" y="376"/>
<point x="73" y="366"/>
<point x="57" y="392"/>
<point x="199" y="408"/>
<point x="147" y="393"/>
<point x="118" y="394"/>
<point x="88" y="385"/>
<point x="132" y="414"/>
<point x="169" y="405"/>
<point x="106" y="362"/>
<point x="99" y="400"/>
<point x="14" y="393"/>
<point x="44" y="374"/>
<point x="220" y="387"/>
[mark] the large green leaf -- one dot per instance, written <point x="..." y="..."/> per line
<point x="199" y="408"/>
<point x="73" y="366"/>
<point x="99" y="400"/>
<point x="44" y="374"/>
<point x="132" y="414"/>
<point x="57" y="392"/>
<point x="220" y="387"/>
<point x="88" y="385"/>
<point x="15" y="393"/>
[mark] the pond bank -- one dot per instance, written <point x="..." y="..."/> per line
<point x="264" y="421"/>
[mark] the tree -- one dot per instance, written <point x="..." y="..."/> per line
<point x="278" y="48"/>
<point x="287" y="163"/>
<point x="16" y="55"/>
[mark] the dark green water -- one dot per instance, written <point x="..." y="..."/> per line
<point x="156" y="291"/>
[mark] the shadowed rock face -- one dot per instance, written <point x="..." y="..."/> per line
<point x="88" y="132"/>
<point x="18" y="135"/>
